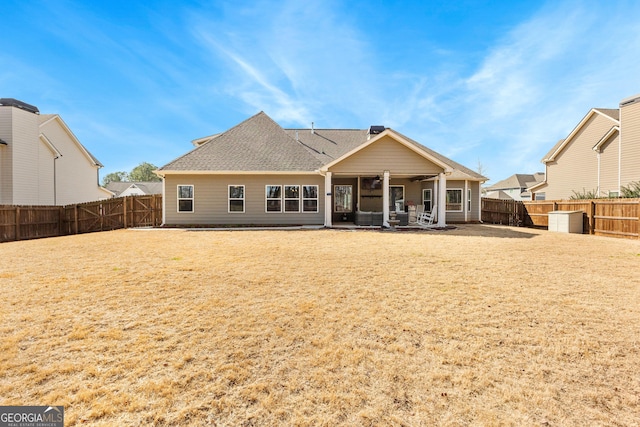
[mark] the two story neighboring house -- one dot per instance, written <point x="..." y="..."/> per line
<point x="259" y="173"/>
<point x="41" y="160"/>
<point x="600" y="155"/>
<point x="514" y="187"/>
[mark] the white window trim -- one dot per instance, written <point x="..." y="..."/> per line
<point x="430" y="199"/>
<point x="229" y="198"/>
<point x="461" y="199"/>
<point x="285" y="198"/>
<point x="469" y="192"/>
<point x="192" y="198"/>
<point x="404" y="195"/>
<point x="266" y="199"/>
<point x="333" y="208"/>
<point x="317" y="198"/>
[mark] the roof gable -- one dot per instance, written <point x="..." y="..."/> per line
<point x="256" y="144"/>
<point x="519" y="180"/>
<point x="45" y="119"/>
<point x="396" y="137"/>
<point x="610" y="114"/>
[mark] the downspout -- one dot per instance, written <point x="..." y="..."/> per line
<point x="620" y="154"/>
<point x="598" y="184"/>
<point x="55" y="183"/>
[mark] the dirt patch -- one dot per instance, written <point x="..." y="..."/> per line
<point x="479" y="325"/>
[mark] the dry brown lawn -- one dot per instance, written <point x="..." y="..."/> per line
<point x="470" y="327"/>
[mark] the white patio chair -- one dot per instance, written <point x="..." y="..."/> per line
<point x="425" y="219"/>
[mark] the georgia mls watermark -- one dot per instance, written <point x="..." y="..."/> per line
<point x="31" y="416"/>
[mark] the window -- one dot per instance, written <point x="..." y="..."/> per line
<point x="236" y="198"/>
<point x="396" y="198"/>
<point x="454" y="200"/>
<point x="274" y="198"/>
<point x="469" y="200"/>
<point x="540" y="196"/>
<point x="292" y="198"/>
<point x="426" y="199"/>
<point x="342" y="199"/>
<point x="310" y="198"/>
<point x="185" y="198"/>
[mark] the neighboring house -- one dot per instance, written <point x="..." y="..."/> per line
<point x="601" y="155"/>
<point x="259" y="173"/>
<point x="123" y="188"/>
<point x="514" y="187"/>
<point x="41" y="160"/>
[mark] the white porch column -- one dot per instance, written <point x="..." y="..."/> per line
<point x="442" y="200"/>
<point x="465" y="201"/>
<point x="385" y="199"/>
<point x="327" y="199"/>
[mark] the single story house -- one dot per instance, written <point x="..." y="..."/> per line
<point x="258" y="173"/>
<point x="125" y="188"/>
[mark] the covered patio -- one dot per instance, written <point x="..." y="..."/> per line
<point x="373" y="199"/>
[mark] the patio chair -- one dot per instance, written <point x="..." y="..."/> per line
<point x="425" y="219"/>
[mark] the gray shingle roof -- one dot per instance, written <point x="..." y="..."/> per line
<point x="519" y="180"/>
<point x="260" y="144"/>
<point x="328" y="145"/>
<point x="148" y="187"/>
<point x="614" y="113"/>
<point x="257" y="144"/>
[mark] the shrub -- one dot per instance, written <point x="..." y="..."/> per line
<point x="584" y="195"/>
<point x="631" y="191"/>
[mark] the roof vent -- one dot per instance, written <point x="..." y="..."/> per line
<point x="11" y="102"/>
<point x="629" y="101"/>
<point x="374" y="130"/>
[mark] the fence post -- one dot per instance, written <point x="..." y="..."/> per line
<point x="124" y="211"/>
<point x="153" y="211"/>
<point x="60" y="222"/>
<point x="75" y="218"/>
<point x="592" y="217"/>
<point x="17" y="222"/>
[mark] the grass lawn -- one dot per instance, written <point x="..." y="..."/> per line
<point x="476" y="326"/>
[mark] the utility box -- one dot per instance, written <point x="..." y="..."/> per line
<point x="566" y="221"/>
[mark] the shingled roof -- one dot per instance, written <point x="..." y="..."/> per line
<point x="259" y="144"/>
<point x="256" y="144"/>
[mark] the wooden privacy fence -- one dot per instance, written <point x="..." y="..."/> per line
<point x="32" y="222"/>
<point x="605" y="217"/>
<point x="506" y="212"/>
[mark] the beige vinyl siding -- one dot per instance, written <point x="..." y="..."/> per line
<point x="386" y="154"/>
<point x="471" y="216"/>
<point x="76" y="174"/>
<point x="630" y="139"/>
<point x="24" y="152"/>
<point x="609" y="166"/>
<point x="474" y="214"/>
<point x="211" y="200"/>
<point x="6" y="163"/>
<point x="576" y="166"/>
<point x="46" y="194"/>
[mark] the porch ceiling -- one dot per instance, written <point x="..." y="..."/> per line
<point x="423" y="177"/>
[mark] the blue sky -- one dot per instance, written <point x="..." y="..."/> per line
<point x="490" y="83"/>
